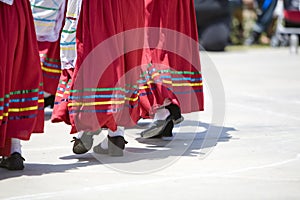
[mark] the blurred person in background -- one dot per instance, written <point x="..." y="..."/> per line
<point x="265" y="11"/>
<point x="214" y="23"/>
<point x="237" y="22"/>
<point x="288" y="22"/>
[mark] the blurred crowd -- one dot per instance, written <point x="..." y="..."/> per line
<point x="246" y="22"/>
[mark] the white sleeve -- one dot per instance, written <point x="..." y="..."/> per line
<point x="68" y="53"/>
<point x="48" y="17"/>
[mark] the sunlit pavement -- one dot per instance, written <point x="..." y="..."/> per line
<point x="255" y="154"/>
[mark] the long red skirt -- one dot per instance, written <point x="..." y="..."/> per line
<point x="51" y="64"/>
<point x="21" y="96"/>
<point x="51" y="67"/>
<point x="60" y="111"/>
<point x="104" y="91"/>
<point x="118" y="79"/>
<point x="174" y="71"/>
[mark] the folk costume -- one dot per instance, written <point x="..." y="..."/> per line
<point x="21" y="91"/>
<point x="49" y="19"/>
<point x="173" y="77"/>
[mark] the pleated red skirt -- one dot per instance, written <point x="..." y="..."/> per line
<point x="123" y="69"/>
<point x="174" y="71"/>
<point x="51" y="67"/>
<point x="51" y="64"/>
<point x="21" y="96"/>
<point x="103" y="94"/>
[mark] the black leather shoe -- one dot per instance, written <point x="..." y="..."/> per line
<point x="166" y="131"/>
<point x="163" y="128"/>
<point x="155" y="129"/>
<point x="116" y="145"/>
<point x="175" y="113"/>
<point x="14" y="162"/>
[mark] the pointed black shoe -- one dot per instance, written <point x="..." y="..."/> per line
<point x="116" y="145"/>
<point x="14" y="162"/>
<point x="162" y="126"/>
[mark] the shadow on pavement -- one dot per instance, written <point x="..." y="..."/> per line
<point x="33" y="169"/>
<point x="183" y="144"/>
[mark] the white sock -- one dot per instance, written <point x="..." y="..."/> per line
<point x="46" y="94"/>
<point x="118" y="132"/>
<point x="161" y="114"/>
<point x="79" y="134"/>
<point x="104" y="143"/>
<point x="16" y="146"/>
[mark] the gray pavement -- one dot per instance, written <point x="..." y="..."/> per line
<point x="257" y="155"/>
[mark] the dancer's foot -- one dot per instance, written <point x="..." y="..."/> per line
<point x="163" y="128"/>
<point x="116" y="146"/>
<point x="84" y="143"/>
<point x="14" y="162"/>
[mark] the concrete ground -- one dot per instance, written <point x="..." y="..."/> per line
<point x="255" y="156"/>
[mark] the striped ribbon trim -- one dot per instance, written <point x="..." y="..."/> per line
<point x="21" y="100"/>
<point x="44" y="24"/>
<point x="150" y="72"/>
<point x="46" y="69"/>
<point x="44" y="56"/>
<point x="43" y="7"/>
<point x="48" y="64"/>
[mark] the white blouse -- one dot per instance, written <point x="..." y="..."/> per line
<point x="68" y="49"/>
<point x="48" y="17"/>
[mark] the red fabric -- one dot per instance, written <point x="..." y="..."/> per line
<point x="100" y="24"/>
<point x="20" y="76"/>
<point x="50" y="61"/>
<point x="51" y="67"/>
<point x="292" y="16"/>
<point x="100" y="20"/>
<point x="174" y="17"/>
<point x="60" y="110"/>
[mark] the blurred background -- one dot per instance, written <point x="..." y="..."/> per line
<point x="224" y="24"/>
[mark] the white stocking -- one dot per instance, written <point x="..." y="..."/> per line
<point x="16" y="146"/>
<point x="161" y="114"/>
<point x="119" y="132"/>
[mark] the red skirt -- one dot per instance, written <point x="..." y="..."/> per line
<point x="117" y="80"/>
<point x="102" y="93"/>
<point x="51" y="67"/>
<point x="21" y="96"/>
<point x="60" y="111"/>
<point x="51" y="64"/>
<point x="174" y="71"/>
